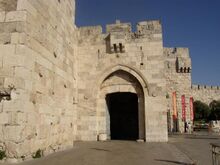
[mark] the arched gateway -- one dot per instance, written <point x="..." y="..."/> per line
<point x="121" y="105"/>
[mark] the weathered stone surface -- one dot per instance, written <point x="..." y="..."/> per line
<point x="8" y="5"/>
<point x="2" y="16"/>
<point x="37" y="51"/>
<point x="16" y="16"/>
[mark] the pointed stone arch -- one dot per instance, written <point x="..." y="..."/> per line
<point x="129" y="69"/>
<point x="119" y="79"/>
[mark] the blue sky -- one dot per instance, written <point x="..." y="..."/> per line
<point x="186" y="23"/>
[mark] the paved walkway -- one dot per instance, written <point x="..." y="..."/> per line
<point x="181" y="150"/>
<point x="196" y="147"/>
<point x="116" y="153"/>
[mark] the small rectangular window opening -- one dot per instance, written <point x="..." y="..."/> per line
<point x="121" y="47"/>
<point x="115" y="48"/>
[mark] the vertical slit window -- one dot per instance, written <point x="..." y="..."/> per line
<point x="189" y="70"/>
<point x="115" y="48"/>
<point x="120" y="47"/>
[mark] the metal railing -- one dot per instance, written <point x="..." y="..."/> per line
<point x="215" y="153"/>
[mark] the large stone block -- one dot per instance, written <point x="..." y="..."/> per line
<point x="43" y="132"/>
<point x="6" y="71"/>
<point x="18" y="150"/>
<point x="13" y="105"/>
<point x="18" y="38"/>
<point x="14" y="133"/>
<point x="21" y="71"/>
<point x="10" y="27"/>
<point x="2" y="16"/>
<point x="15" y="82"/>
<point x="8" y="5"/>
<point x="4" y="118"/>
<point x="7" y="50"/>
<point x="5" y="38"/>
<point x="16" y="16"/>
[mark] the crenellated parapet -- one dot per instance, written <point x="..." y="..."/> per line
<point x="205" y="87"/>
<point x="118" y="34"/>
<point x="149" y="27"/>
<point x="205" y="93"/>
<point x="90" y="35"/>
<point x="178" y="57"/>
<point x="119" y="27"/>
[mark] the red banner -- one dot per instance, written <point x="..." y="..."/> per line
<point x="183" y="108"/>
<point x="174" y="106"/>
<point x="191" y="109"/>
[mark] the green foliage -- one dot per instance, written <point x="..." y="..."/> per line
<point x="38" y="154"/>
<point x="2" y="154"/>
<point x="202" y="111"/>
<point x="215" y="110"/>
<point x="205" y="113"/>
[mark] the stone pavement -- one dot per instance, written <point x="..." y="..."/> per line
<point x="116" y="153"/>
<point x="196" y="147"/>
<point x="181" y="150"/>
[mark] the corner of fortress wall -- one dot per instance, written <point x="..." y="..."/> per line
<point x="37" y="76"/>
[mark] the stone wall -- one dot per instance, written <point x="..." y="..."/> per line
<point x="37" y="76"/>
<point x="178" y="78"/>
<point x="205" y="94"/>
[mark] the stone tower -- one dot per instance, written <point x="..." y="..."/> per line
<point x="178" y="81"/>
<point x="121" y="62"/>
<point x="37" y="76"/>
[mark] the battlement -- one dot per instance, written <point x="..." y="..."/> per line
<point x="181" y="58"/>
<point x="205" y="93"/>
<point x="90" y="30"/>
<point x="176" y="52"/>
<point x="119" y="27"/>
<point x="118" y="33"/>
<point x="144" y="27"/>
<point x="205" y="87"/>
<point x="148" y="27"/>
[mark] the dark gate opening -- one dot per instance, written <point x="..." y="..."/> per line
<point x="123" y="111"/>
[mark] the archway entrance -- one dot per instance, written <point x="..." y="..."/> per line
<point x="123" y="113"/>
<point x="121" y="107"/>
